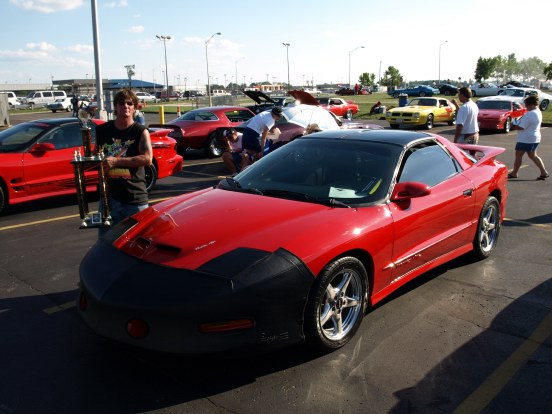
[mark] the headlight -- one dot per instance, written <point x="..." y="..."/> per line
<point x="416" y="115"/>
<point x="389" y="113"/>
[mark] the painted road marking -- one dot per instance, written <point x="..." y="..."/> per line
<point x="496" y="382"/>
<point x="59" y="308"/>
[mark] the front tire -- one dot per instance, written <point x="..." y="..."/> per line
<point x="544" y="105"/>
<point x="336" y="304"/>
<point x="349" y="114"/>
<point x="422" y="94"/>
<point x="3" y="199"/>
<point x="396" y="95"/>
<point x="488" y="229"/>
<point x="507" y="125"/>
<point x="429" y="122"/>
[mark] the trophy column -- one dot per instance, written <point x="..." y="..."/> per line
<point x="86" y="162"/>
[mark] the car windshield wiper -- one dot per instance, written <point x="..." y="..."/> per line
<point x="230" y="184"/>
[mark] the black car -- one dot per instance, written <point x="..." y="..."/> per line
<point x="516" y="84"/>
<point x="447" y="89"/>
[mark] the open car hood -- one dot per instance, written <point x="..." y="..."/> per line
<point x="304" y="97"/>
<point x="259" y="97"/>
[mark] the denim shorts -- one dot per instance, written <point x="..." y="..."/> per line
<point x="522" y="146"/>
<point x="120" y="211"/>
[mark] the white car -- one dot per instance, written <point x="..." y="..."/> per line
<point x="485" y="89"/>
<point x="60" y="104"/>
<point x="146" y="97"/>
<point x="519" y="95"/>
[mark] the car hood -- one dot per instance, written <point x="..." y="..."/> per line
<point x="413" y="108"/>
<point x="492" y="113"/>
<point x="304" y="97"/>
<point x="259" y="97"/>
<point x="188" y="231"/>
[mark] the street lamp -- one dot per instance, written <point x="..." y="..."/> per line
<point x="287" y="57"/>
<point x="350" y="53"/>
<point x="237" y="88"/>
<point x="207" y="62"/>
<point x="446" y="41"/>
<point x="164" y="38"/>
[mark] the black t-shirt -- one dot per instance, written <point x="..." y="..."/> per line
<point x="126" y="185"/>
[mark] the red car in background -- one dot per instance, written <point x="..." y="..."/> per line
<point x="198" y="127"/>
<point x="35" y="159"/>
<point x="337" y="106"/>
<point x="498" y="114"/>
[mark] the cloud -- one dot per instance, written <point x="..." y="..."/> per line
<point x="79" y="48"/>
<point x="136" y="29"/>
<point x="114" y="4"/>
<point x="48" y="6"/>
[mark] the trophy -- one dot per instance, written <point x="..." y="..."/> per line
<point x="84" y="162"/>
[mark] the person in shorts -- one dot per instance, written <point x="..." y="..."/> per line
<point x="467" y="128"/>
<point x="254" y="136"/>
<point x="529" y="137"/>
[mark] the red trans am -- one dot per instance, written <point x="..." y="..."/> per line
<point x="296" y="247"/>
<point x="337" y="106"/>
<point x="499" y="114"/>
<point x="35" y="159"/>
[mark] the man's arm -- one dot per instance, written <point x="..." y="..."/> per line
<point x="142" y="160"/>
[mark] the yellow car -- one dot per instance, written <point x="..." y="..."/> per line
<point x="422" y="111"/>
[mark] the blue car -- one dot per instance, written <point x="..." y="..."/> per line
<point x="420" y="90"/>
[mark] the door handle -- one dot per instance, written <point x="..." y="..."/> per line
<point x="468" y="193"/>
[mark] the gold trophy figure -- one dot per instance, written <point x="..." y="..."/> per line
<point x="82" y="162"/>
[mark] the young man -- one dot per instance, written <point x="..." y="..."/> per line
<point x="127" y="149"/>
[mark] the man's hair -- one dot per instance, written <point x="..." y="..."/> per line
<point x="125" y="94"/>
<point x="465" y="91"/>
<point x="531" y="100"/>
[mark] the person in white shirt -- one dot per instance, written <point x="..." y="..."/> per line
<point x="232" y="155"/>
<point x="254" y="136"/>
<point x="529" y="137"/>
<point x="467" y="128"/>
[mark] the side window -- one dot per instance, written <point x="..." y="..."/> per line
<point x="428" y="164"/>
<point x="59" y="94"/>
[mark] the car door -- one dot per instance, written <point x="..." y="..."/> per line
<point x="445" y="111"/>
<point x="430" y="226"/>
<point x="50" y="172"/>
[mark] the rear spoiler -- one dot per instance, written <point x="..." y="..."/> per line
<point x="176" y="130"/>
<point x="482" y="153"/>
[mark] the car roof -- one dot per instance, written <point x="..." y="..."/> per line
<point x="401" y="138"/>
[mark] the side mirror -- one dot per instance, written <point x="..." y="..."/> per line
<point x="406" y="191"/>
<point x="42" y="148"/>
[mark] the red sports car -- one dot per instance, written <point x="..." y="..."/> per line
<point x="35" y="159"/>
<point x="337" y="106"/>
<point x="199" y="126"/>
<point x="499" y="114"/>
<point x="297" y="246"/>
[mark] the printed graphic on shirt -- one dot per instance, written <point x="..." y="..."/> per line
<point x="118" y="149"/>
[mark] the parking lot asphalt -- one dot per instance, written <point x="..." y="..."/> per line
<point x="466" y="337"/>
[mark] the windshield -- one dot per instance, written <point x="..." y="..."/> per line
<point x="423" y="102"/>
<point x="199" y="115"/>
<point x="21" y="136"/>
<point x="512" y="92"/>
<point x="337" y="172"/>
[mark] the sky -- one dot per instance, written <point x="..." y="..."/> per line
<point x="329" y="41"/>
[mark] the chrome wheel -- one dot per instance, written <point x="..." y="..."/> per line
<point x="429" y="122"/>
<point x="507" y="125"/>
<point x="336" y="304"/>
<point x="488" y="229"/>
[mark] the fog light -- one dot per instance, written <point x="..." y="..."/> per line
<point x="137" y="328"/>
<point x="235" y="325"/>
<point x="82" y="302"/>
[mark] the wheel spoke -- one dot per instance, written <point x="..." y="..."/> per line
<point x="326" y="314"/>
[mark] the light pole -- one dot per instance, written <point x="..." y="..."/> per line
<point x="350" y="53"/>
<point x="130" y="74"/>
<point x="237" y="88"/>
<point x="207" y="62"/>
<point x="287" y="57"/>
<point x="446" y="41"/>
<point x="164" y="38"/>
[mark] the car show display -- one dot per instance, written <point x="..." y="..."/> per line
<point x="314" y="234"/>
<point x="422" y="112"/>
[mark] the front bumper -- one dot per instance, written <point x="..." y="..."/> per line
<point x="272" y="291"/>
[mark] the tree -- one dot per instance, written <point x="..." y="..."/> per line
<point x="548" y="71"/>
<point x="486" y="67"/>
<point x="367" y="79"/>
<point x="391" y="77"/>
<point x="531" y="68"/>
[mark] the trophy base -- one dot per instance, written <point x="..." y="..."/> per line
<point x="96" y="220"/>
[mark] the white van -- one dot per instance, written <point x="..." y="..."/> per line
<point x="12" y="99"/>
<point x="43" y="98"/>
<point x="220" y="92"/>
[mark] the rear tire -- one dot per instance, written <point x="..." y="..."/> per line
<point x="336" y="304"/>
<point x="394" y="126"/>
<point x="488" y="229"/>
<point x="544" y="105"/>
<point x="212" y="149"/>
<point x="151" y="177"/>
<point x="3" y="199"/>
<point x="507" y="125"/>
<point x="349" y="114"/>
